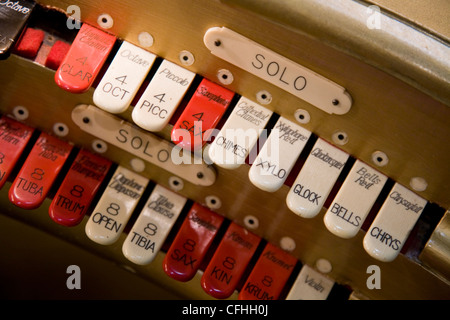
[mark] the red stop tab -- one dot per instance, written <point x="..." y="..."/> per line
<point x="39" y="171"/>
<point x="191" y="243"/>
<point x="229" y="262"/>
<point x="84" y="59"/>
<point x="202" y="113"/>
<point x="269" y="276"/>
<point x="79" y="187"/>
<point x="14" y="136"/>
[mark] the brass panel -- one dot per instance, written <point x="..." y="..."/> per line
<point x="388" y="115"/>
<point x="436" y="253"/>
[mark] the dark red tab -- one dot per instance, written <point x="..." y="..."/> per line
<point x="30" y="43"/>
<point x="14" y="136"/>
<point x="39" y="171"/>
<point x="57" y="54"/>
<point x="191" y="243"/>
<point x="84" y="60"/>
<point x="78" y="188"/>
<point x="269" y="276"/>
<point x="229" y="262"/>
<point x="201" y="114"/>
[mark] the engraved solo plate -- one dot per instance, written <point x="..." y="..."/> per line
<point x="278" y="70"/>
<point x="143" y="144"/>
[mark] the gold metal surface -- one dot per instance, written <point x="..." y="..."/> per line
<point x="436" y="253"/>
<point x="388" y="115"/>
<point x="431" y="16"/>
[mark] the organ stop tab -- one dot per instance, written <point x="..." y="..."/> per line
<point x="14" y="137"/>
<point x="81" y="183"/>
<point x="85" y="58"/>
<point x="191" y="243"/>
<point x="203" y="111"/>
<point x="39" y="172"/>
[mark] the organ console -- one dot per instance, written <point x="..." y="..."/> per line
<point x="222" y="149"/>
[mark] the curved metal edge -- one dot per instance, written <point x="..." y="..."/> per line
<point x="394" y="46"/>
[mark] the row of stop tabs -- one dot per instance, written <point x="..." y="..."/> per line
<point x="121" y="191"/>
<point x="233" y="144"/>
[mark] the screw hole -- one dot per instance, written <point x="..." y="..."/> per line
<point x="302" y="116"/>
<point x="213" y="202"/>
<point x="176" y="183"/>
<point x="418" y="184"/>
<point x="145" y="39"/>
<point x="186" y="58"/>
<point x="264" y="97"/>
<point x="287" y="244"/>
<point x="20" y="113"/>
<point x="380" y="158"/>
<point x="60" y="129"/>
<point x="99" y="146"/>
<point x="225" y="76"/>
<point x="340" y="138"/>
<point x="251" y="222"/>
<point x="105" y="21"/>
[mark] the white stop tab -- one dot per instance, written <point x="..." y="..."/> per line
<point x="310" y="285"/>
<point x="115" y="206"/>
<point x="153" y="225"/>
<point x="316" y="179"/>
<point x="124" y="76"/>
<point x="162" y="96"/>
<point x="393" y="223"/>
<point x="278" y="155"/>
<point x="354" y="200"/>
<point x="239" y="134"/>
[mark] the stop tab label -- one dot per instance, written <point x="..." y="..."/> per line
<point x="191" y="243"/>
<point x="85" y="58"/>
<point x="39" y="171"/>
<point x="229" y="262"/>
<point x="269" y="275"/>
<point x="74" y="196"/>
